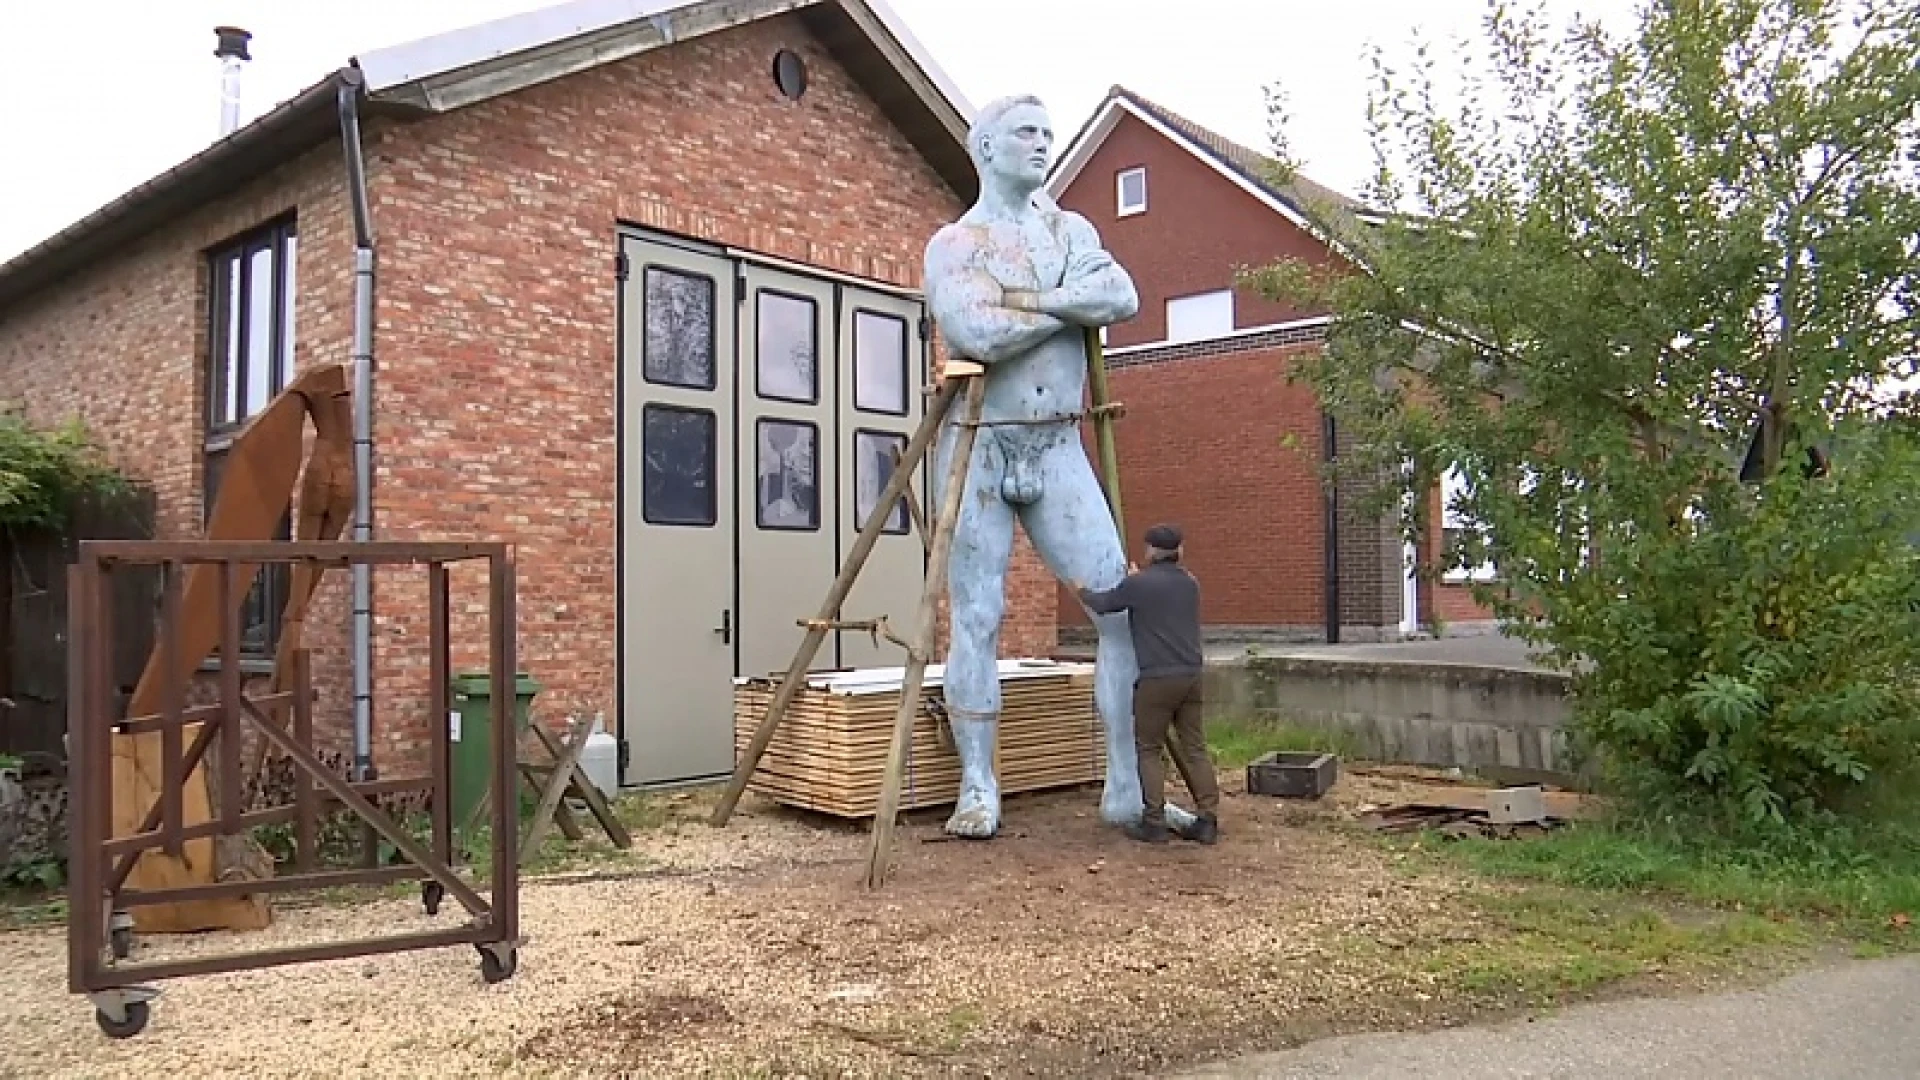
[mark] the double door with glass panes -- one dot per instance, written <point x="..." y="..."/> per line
<point x="762" y="410"/>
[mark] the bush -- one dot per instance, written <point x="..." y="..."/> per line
<point x="43" y="471"/>
<point x="1762" y="663"/>
<point x="1622" y="292"/>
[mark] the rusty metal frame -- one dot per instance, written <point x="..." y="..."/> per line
<point x="99" y="862"/>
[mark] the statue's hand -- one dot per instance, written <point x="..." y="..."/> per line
<point x="1082" y="264"/>
<point x="1020" y="299"/>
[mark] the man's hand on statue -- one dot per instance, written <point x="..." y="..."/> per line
<point x="1132" y="567"/>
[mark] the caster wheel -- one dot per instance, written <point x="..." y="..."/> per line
<point x="494" y="970"/>
<point x="121" y="940"/>
<point x="135" y="1022"/>
<point x="431" y="893"/>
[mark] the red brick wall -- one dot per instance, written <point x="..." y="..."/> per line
<point x="122" y="346"/>
<point x="495" y="324"/>
<point x="1216" y="440"/>
<point x="1204" y="439"/>
<point x="497" y="226"/>
<point x="1205" y="443"/>
<point x="1197" y="228"/>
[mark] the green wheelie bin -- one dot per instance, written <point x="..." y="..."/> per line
<point x="471" y="730"/>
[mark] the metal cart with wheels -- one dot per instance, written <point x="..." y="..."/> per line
<point x="188" y="745"/>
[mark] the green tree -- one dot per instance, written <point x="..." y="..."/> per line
<point x="1647" y="294"/>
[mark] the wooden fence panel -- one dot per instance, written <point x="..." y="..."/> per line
<point x="33" y="620"/>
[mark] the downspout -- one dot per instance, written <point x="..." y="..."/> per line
<point x="1331" y="532"/>
<point x="352" y="84"/>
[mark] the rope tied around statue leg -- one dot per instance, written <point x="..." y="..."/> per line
<point x="1114" y="409"/>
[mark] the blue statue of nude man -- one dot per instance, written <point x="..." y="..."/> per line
<point x="1012" y="285"/>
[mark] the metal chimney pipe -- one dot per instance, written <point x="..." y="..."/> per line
<point x="232" y="53"/>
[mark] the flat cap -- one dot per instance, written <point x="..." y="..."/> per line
<point x="1164" y="537"/>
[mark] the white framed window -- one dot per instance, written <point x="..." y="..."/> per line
<point x="1455" y="524"/>
<point x="1130" y="189"/>
<point x="1201" y="316"/>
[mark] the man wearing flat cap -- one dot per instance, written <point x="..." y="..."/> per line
<point x="1162" y="603"/>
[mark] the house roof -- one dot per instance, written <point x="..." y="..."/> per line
<point x="463" y="67"/>
<point x="1319" y="209"/>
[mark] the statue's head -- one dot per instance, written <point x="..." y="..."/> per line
<point x="1011" y="143"/>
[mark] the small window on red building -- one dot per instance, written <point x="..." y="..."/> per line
<point x="1131" y="189"/>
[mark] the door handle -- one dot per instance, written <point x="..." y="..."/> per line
<point x="725" y="629"/>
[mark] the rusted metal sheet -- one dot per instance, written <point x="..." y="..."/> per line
<point x="201" y="739"/>
<point x="202" y="585"/>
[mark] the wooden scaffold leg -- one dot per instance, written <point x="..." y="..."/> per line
<point x="829" y="615"/>
<point x="880" y="845"/>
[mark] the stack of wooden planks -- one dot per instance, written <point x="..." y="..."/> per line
<point x="829" y="753"/>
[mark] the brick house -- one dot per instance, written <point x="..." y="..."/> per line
<point x="646" y="305"/>
<point x="1215" y="438"/>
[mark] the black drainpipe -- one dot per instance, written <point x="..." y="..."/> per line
<point x="1331" y="531"/>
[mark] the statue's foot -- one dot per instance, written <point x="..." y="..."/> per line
<point x="1121" y="804"/>
<point x="977" y="816"/>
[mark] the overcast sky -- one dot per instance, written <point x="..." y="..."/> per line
<point x="101" y="96"/>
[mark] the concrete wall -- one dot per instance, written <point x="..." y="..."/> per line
<point x="1412" y="713"/>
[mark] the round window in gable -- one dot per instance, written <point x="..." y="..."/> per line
<point x="790" y="74"/>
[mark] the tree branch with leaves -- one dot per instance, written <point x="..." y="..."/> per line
<point x="1618" y="265"/>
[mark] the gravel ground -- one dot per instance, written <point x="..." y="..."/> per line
<point x="1060" y="948"/>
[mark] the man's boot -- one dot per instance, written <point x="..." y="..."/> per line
<point x="1149" y="831"/>
<point x="1204" y="830"/>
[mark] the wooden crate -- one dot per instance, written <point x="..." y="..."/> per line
<point x="829" y="753"/>
<point x="1292" y="774"/>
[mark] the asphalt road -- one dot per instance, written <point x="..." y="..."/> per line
<point x="1860" y="1021"/>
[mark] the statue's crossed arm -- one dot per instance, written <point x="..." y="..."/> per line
<point x="1096" y="290"/>
<point x="970" y="306"/>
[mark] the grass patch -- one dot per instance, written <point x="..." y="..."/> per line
<point x="1543" y="944"/>
<point x="1867" y="893"/>
<point x="639" y="812"/>
<point x="1237" y="741"/>
<point x="21" y="909"/>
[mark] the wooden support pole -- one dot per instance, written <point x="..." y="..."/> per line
<point x="583" y="786"/>
<point x="880" y="845"/>
<point x="1103" y="429"/>
<point x="796" y="675"/>
<point x="913" y="509"/>
<point x="557" y="783"/>
<point x="1103" y="419"/>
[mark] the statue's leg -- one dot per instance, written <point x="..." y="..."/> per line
<point x="982" y="547"/>
<point x="1072" y="529"/>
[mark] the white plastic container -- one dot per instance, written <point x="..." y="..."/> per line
<point x="600" y="760"/>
